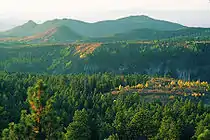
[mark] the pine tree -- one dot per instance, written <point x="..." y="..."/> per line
<point x="202" y="126"/>
<point x="113" y="137"/>
<point x="79" y="128"/>
<point x="141" y="125"/>
<point x="3" y="118"/>
<point x="41" y="123"/>
<point x="168" y="130"/>
<point x="37" y="100"/>
<point x="205" y="135"/>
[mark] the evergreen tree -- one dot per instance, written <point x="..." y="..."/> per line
<point x="79" y="128"/>
<point x="203" y="125"/>
<point x="205" y="135"/>
<point x="113" y="137"/>
<point x="3" y="118"/>
<point x="169" y="130"/>
<point x="141" y="125"/>
<point x="41" y="123"/>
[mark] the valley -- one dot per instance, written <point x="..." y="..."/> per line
<point x="133" y="78"/>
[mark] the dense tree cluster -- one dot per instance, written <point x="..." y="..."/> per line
<point x="183" y="60"/>
<point x="83" y="107"/>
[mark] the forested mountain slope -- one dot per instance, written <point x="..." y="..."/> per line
<point x="185" y="60"/>
<point x="61" y="34"/>
<point x="97" y="29"/>
<point x="151" y="34"/>
<point x="134" y="78"/>
<point x="133" y="28"/>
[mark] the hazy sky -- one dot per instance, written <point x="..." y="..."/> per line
<point x="188" y="12"/>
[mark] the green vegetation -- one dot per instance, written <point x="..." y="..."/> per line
<point x="84" y="107"/>
<point x="172" y="86"/>
<point x="183" y="60"/>
<point x="151" y="34"/>
<point x="131" y="28"/>
<point x="98" y="29"/>
<point x="126" y="79"/>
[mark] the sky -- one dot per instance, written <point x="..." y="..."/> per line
<point x="187" y="12"/>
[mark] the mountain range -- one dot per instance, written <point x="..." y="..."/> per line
<point x="128" y="28"/>
<point x="60" y="34"/>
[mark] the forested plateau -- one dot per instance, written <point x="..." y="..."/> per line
<point x="133" y="78"/>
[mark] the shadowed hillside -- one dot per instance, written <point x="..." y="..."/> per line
<point x="151" y="34"/>
<point x="97" y="29"/>
<point x="60" y="34"/>
<point x="183" y="60"/>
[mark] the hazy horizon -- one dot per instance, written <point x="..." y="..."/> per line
<point x="195" y="13"/>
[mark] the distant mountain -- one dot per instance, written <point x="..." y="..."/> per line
<point x="97" y="29"/>
<point x="134" y="22"/>
<point x="151" y="34"/>
<point x="61" y="34"/>
<point x="23" y="30"/>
